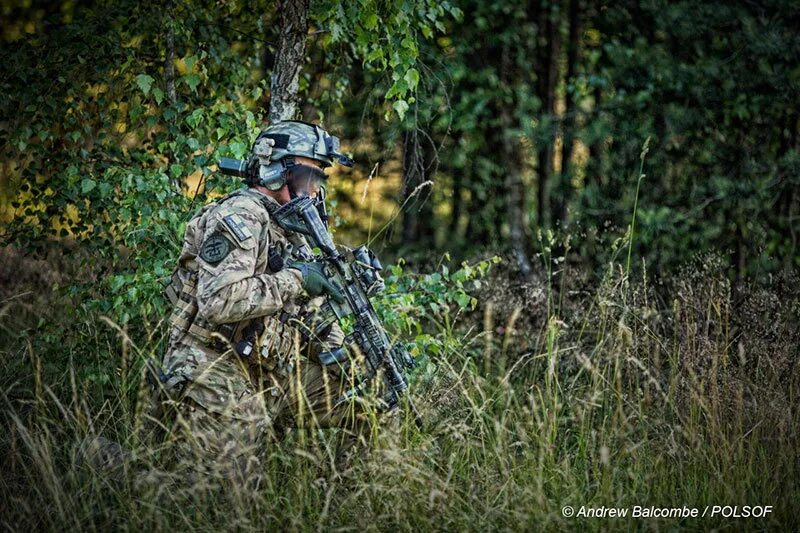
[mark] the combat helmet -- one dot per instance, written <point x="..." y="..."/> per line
<point x="292" y="138"/>
<point x="298" y="138"/>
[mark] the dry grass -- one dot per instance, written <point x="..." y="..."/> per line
<point x="621" y="394"/>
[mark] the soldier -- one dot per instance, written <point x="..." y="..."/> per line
<point x="242" y="363"/>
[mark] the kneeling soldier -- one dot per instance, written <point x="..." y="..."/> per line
<point x="242" y="361"/>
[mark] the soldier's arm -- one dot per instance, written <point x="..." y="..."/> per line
<point x="229" y="289"/>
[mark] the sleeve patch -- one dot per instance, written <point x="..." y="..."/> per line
<point x="237" y="227"/>
<point x="215" y="249"/>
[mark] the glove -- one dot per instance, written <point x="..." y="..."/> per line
<point x="315" y="282"/>
<point x="331" y="349"/>
<point x="335" y="337"/>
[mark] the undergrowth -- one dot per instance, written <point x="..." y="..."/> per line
<point x="570" y="391"/>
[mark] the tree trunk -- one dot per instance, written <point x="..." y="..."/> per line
<point x="565" y="188"/>
<point x="515" y="198"/>
<point x="547" y="73"/>
<point x="594" y="166"/>
<point x="293" y="23"/>
<point x="169" y="63"/>
<point x="267" y="65"/>
<point x="794" y="195"/>
<point x="457" y="207"/>
<point x="169" y="79"/>
<point x="485" y="191"/>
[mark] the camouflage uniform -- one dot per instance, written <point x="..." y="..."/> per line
<point x="226" y="405"/>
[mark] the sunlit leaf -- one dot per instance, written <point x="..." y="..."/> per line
<point x="144" y="82"/>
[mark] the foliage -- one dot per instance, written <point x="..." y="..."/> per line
<point x="683" y="73"/>
<point x="99" y="153"/>
<point x="385" y="37"/>
<point x="412" y="303"/>
<point x="89" y="102"/>
<point x="722" y="172"/>
<point x="104" y="165"/>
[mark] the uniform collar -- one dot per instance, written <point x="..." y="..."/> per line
<point x="265" y="199"/>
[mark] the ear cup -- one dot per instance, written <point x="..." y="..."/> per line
<point x="273" y="177"/>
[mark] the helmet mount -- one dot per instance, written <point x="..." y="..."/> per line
<point x="298" y="138"/>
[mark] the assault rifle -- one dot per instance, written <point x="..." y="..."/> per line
<point x="358" y="278"/>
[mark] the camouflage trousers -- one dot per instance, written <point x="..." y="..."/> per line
<point x="224" y="419"/>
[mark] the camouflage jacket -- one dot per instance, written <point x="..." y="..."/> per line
<point x="230" y="273"/>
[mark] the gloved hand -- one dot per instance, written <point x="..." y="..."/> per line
<point x="315" y="282"/>
<point x="331" y="349"/>
<point x="335" y="337"/>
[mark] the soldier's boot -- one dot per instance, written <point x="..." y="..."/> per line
<point x="355" y="444"/>
<point x="104" y="456"/>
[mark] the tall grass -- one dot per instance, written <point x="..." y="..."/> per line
<point x="617" y="396"/>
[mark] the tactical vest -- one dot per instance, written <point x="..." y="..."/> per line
<point x="182" y="291"/>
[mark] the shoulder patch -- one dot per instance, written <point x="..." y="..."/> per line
<point x="215" y="249"/>
<point x="237" y="227"/>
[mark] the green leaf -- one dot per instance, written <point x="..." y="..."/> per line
<point x="375" y="54"/>
<point x="194" y="119"/>
<point x="87" y="185"/>
<point x="371" y="21"/>
<point x="144" y="82"/>
<point x="409" y="43"/>
<point x="398" y="88"/>
<point x="412" y="78"/>
<point x="462" y="299"/>
<point x="158" y="94"/>
<point x="190" y="61"/>
<point x="238" y="149"/>
<point x="192" y="80"/>
<point x="401" y="106"/>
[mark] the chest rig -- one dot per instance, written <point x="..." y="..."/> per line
<point x="182" y="288"/>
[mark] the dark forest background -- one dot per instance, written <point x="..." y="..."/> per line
<point x="524" y="116"/>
